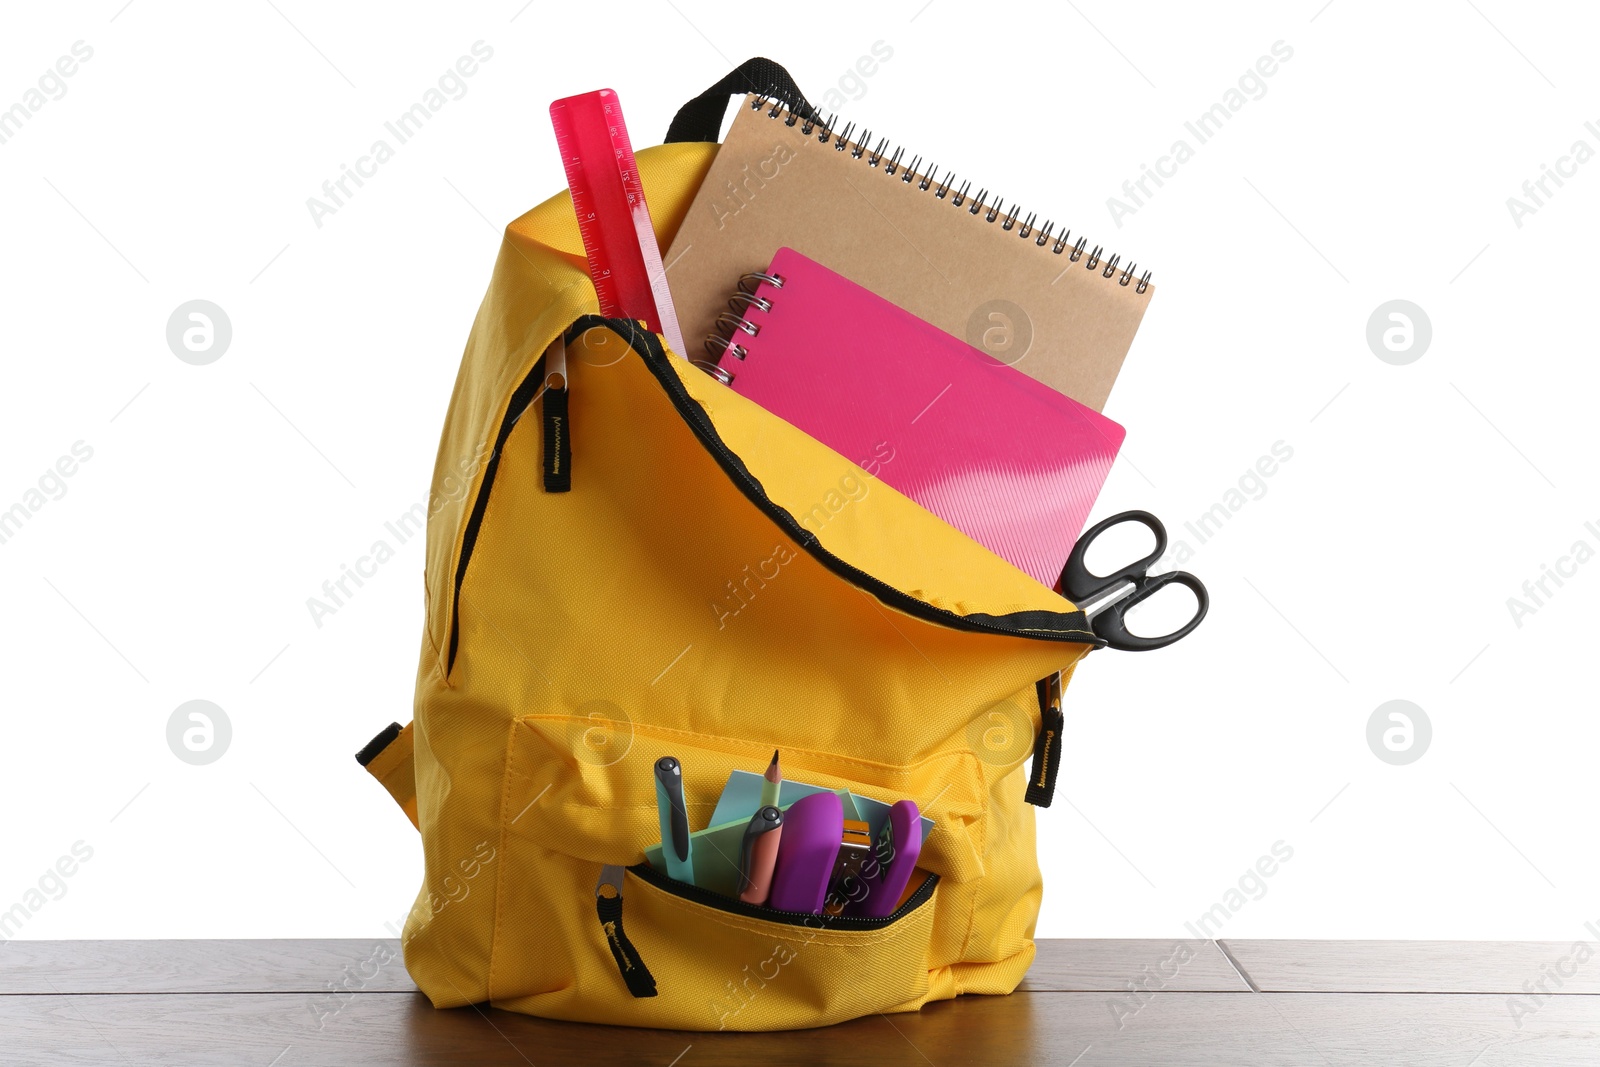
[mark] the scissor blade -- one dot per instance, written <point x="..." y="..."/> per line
<point x="1106" y="598"/>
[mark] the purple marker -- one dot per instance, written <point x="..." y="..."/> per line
<point x="813" y="826"/>
<point x="899" y="845"/>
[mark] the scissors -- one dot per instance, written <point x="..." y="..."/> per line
<point x="1113" y="594"/>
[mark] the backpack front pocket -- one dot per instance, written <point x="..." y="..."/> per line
<point x="753" y="968"/>
<point x="587" y="931"/>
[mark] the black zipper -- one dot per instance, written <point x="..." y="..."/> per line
<point x="1047" y="744"/>
<point x="608" y="907"/>
<point x="655" y="357"/>
<point x="557" y="427"/>
<point x="557" y="442"/>
<point x="713" y="899"/>
<point x="1067" y="627"/>
<point x="521" y="397"/>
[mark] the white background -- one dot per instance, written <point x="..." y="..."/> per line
<point x="1376" y="565"/>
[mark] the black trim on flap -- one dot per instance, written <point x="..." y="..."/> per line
<point x="384" y="739"/>
<point x="1070" y="627"/>
<point x="520" y="399"/>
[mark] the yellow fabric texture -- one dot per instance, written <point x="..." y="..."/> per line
<point x="657" y="609"/>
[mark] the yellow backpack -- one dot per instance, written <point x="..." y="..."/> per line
<point x="713" y="584"/>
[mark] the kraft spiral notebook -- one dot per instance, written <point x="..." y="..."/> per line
<point x="1049" y="301"/>
<point x="1009" y="462"/>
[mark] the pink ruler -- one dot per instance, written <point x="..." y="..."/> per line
<point x="618" y="237"/>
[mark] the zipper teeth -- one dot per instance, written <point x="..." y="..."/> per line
<point x="712" y="899"/>
<point x="521" y="397"/>
<point x="693" y="414"/>
<point x="699" y="421"/>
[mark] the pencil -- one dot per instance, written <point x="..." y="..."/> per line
<point x="773" y="779"/>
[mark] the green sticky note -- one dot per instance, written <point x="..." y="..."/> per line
<point x="716" y="856"/>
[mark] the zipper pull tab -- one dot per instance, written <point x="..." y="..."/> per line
<point x="557" y="430"/>
<point x="608" y="904"/>
<point x="1047" y="746"/>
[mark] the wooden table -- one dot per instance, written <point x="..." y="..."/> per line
<point x="1319" y="1003"/>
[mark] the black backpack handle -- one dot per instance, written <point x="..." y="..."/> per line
<point x="701" y="118"/>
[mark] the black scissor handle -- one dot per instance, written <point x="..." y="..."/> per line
<point x="1082" y="586"/>
<point x="1110" y="626"/>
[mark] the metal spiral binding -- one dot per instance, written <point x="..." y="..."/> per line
<point x="976" y="205"/>
<point x="720" y="342"/>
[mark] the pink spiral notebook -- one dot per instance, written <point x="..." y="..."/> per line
<point x="1006" y="460"/>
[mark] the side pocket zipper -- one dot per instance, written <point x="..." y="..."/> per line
<point x="557" y="428"/>
<point x="609" y="907"/>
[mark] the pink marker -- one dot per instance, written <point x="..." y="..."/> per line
<point x="759" y="854"/>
